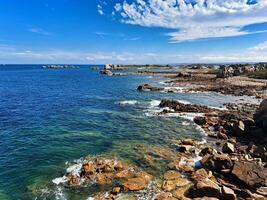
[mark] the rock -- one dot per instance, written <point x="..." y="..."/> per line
<point x="189" y="142"/>
<point x="260" y="116"/>
<point x="88" y="169"/>
<point x="200" y="174"/>
<point x="73" y="180"/>
<point x="107" y="72"/>
<point x="222" y="136"/>
<point x="200" y="120"/>
<point x="207" y="151"/>
<point x="228" y="193"/>
<point x="262" y="191"/>
<point x="180" y="107"/>
<point x="206" y="188"/>
<point x="171" y="174"/>
<point x="228" y="148"/>
<point x="168" y="185"/>
<point x="250" y="173"/>
<point x="180" y="192"/>
<point x="147" y="87"/>
<point x="134" y="184"/>
<point x="164" y="196"/>
<point x="239" y="127"/>
<point x="116" y="190"/>
<point x="184" y="148"/>
<point x="217" y="162"/>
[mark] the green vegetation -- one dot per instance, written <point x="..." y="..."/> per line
<point x="258" y="74"/>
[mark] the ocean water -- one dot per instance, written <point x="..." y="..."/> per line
<point x="52" y="116"/>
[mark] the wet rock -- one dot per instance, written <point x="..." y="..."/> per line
<point x="206" y="188"/>
<point x="228" y="148"/>
<point x="180" y="107"/>
<point x="217" y="162"/>
<point x="73" y="180"/>
<point x="200" y="120"/>
<point x="228" y="193"/>
<point x="184" y="148"/>
<point x="147" y="87"/>
<point x="134" y="184"/>
<point x="107" y="72"/>
<point x="189" y="142"/>
<point x="250" y="173"/>
<point x="137" y="183"/>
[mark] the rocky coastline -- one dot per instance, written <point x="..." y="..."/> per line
<point x="230" y="164"/>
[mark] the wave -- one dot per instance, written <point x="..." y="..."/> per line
<point x="128" y="102"/>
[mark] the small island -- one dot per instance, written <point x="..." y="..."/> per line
<point x="60" y="66"/>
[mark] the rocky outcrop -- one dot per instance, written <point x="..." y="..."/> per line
<point x="107" y="72"/>
<point x="147" y="87"/>
<point x="180" y="107"/>
<point x="239" y="69"/>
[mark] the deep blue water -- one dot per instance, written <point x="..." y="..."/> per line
<point x="50" y="116"/>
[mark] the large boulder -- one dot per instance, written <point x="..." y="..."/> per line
<point x="217" y="162"/>
<point x="260" y="116"/>
<point x="206" y="188"/>
<point x="250" y="173"/>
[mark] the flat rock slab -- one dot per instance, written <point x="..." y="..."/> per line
<point x="250" y="173"/>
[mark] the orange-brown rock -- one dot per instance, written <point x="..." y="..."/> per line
<point x="73" y="180"/>
<point x="116" y="190"/>
<point x="89" y="168"/>
<point x="164" y="196"/>
<point x="171" y="174"/>
<point x="134" y="184"/>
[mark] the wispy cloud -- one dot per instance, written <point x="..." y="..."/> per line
<point x="257" y="53"/>
<point x="40" y="31"/>
<point x="193" y="20"/>
<point x="259" y="47"/>
<point x="100" y="9"/>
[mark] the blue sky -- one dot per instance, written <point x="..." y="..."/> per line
<point x="132" y="31"/>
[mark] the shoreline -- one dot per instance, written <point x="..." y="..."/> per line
<point x="193" y="169"/>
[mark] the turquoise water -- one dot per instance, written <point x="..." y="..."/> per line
<point x="51" y="116"/>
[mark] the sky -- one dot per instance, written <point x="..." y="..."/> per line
<point x="132" y="31"/>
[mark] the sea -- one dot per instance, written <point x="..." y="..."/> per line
<point x="52" y="117"/>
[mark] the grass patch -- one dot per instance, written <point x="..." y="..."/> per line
<point x="258" y="74"/>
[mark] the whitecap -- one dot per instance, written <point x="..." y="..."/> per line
<point x="128" y="102"/>
<point x="154" y="103"/>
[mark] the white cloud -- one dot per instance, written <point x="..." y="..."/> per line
<point x="195" y="19"/>
<point x="100" y="9"/>
<point x="260" y="47"/>
<point x="40" y="31"/>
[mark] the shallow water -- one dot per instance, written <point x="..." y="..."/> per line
<point x="51" y="116"/>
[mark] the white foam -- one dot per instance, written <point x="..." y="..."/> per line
<point x="154" y="103"/>
<point x="128" y="102"/>
<point x="60" y="180"/>
<point x="185" y="115"/>
<point x="75" y="169"/>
